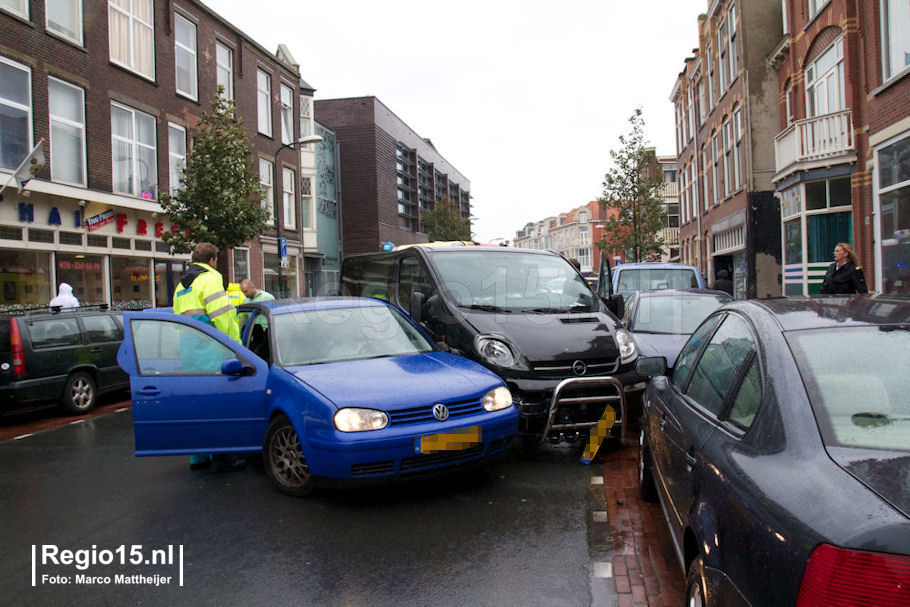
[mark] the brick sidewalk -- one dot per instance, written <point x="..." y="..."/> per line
<point x="645" y="568"/>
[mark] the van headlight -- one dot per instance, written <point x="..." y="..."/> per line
<point x="497" y="398"/>
<point x="495" y="351"/>
<point x="627" y="349"/>
<point x="351" y="419"/>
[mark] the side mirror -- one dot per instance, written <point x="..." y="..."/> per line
<point x="417" y="300"/>
<point x="234" y="366"/>
<point x="617" y="305"/>
<point x="651" y="366"/>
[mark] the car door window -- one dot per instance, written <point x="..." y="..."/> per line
<point x="170" y="348"/>
<point x="745" y="405"/>
<point x="100" y="328"/>
<point x="689" y="354"/>
<point x="412" y="278"/>
<point x="724" y="358"/>
<point x="55" y="332"/>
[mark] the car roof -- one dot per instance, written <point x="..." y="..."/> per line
<point x="796" y="313"/>
<point x="302" y="304"/>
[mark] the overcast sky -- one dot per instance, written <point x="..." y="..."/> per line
<point x="524" y="98"/>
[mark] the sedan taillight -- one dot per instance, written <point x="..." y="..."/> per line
<point x="836" y="576"/>
<point x="15" y="343"/>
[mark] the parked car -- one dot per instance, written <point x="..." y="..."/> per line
<point x="348" y="389"/>
<point x="525" y="314"/>
<point x="630" y="277"/>
<point x="68" y="356"/>
<point x="662" y="321"/>
<point x="779" y="448"/>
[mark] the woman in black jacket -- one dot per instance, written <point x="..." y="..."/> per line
<point x="844" y="276"/>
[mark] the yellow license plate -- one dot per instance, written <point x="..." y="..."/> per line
<point x="463" y="438"/>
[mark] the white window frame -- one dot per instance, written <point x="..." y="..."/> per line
<point x="135" y="144"/>
<point x="176" y="161"/>
<point x="728" y="156"/>
<point x="710" y="64"/>
<point x="265" y="181"/>
<point x="706" y="204"/>
<point x="19" y="106"/>
<point x="817" y="79"/>
<point x="731" y="38"/>
<point x="693" y="184"/>
<point x="684" y="207"/>
<point x="225" y="68"/>
<point x="190" y="52"/>
<point x="264" y="102"/>
<point x="784" y="4"/>
<point x="306" y="118"/>
<point x="722" y="64"/>
<point x="21" y="11"/>
<point x="289" y="205"/>
<point x="715" y="169"/>
<point x="737" y="149"/>
<point x="70" y="123"/>
<point x="889" y="69"/>
<point x="816" y="6"/>
<point x="878" y="191"/>
<point x="788" y="103"/>
<point x="287" y="113"/>
<point x="702" y="108"/>
<point x="77" y="26"/>
<point x="133" y="23"/>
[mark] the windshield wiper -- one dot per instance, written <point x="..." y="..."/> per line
<point x="894" y="328"/>
<point x="487" y="308"/>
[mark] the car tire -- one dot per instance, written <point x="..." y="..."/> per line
<point x="647" y="489"/>
<point x="695" y="585"/>
<point x="79" y="393"/>
<point x="285" y="463"/>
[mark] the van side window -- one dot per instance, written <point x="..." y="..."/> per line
<point x="101" y="327"/>
<point x="412" y="278"/>
<point x="55" y="332"/>
<point x="367" y="277"/>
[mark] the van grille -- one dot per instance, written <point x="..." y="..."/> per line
<point x="424" y="413"/>
<point x="561" y="369"/>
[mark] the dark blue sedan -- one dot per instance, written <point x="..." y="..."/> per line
<point x="341" y="388"/>
<point x="779" y="447"/>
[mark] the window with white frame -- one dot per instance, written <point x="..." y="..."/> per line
<point x="690" y="113"/>
<point x="815" y="7"/>
<point x="224" y="62"/>
<point x="733" y="55"/>
<point x="715" y="169"/>
<point x="693" y="183"/>
<point x="705" y="163"/>
<point x="66" y="106"/>
<point x="722" y="65"/>
<point x="16" y="7"/>
<point x="702" y="108"/>
<point x="287" y="114"/>
<point x="683" y="194"/>
<point x="290" y="205"/>
<point x="825" y="92"/>
<point x="265" y="182"/>
<point x="133" y="150"/>
<point x="264" y="101"/>
<point x="893" y="168"/>
<point x="241" y="263"/>
<point x="306" y="117"/>
<point x="710" y="63"/>
<point x="306" y="202"/>
<point x="728" y="158"/>
<point x="895" y="24"/>
<point x="176" y="152"/>
<point x="185" y="55"/>
<point x="132" y="35"/>
<point x="737" y="149"/>
<point x="788" y="103"/>
<point x="582" y="217"/>
<point x="16" y="110"/>
<point x="584" y="237"/>
<point x="64" y="17"/>
<point x="783" y="11"/>
<point x="679" y="127"/>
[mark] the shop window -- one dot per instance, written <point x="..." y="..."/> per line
<point x="84" y="273"/>
<point x="270" y="272"/>
<point x="825" y="231"/>
<point x="241" y="264"/>
<point x="130" y="281"/>
<point x="25" y="278"/>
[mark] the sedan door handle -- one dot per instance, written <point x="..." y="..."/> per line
<point x="690" y="460"/>
<point x="148" y="391"/>
<point x="96" y="350"/>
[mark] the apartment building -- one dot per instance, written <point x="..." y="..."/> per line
<point x="665" y="168"/>
<point x="389" y="173"/>
<point x="842" y="151"/>
<point x="726" y="116"/>
<point x="115" y="90"/>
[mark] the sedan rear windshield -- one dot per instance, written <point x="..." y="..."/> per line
<point x="513" y="282"/>
<point x="332" y="335"/>
<point x="675" y="314"/>
<point x="857" y="380"/>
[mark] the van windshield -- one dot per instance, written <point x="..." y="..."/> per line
<point x="647" y="279"/>
<point x="513" y="282"/>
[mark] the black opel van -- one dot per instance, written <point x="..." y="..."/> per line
<point x="527" y="315"/>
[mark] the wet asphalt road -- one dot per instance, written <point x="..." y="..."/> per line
<point x="517" y="533"/>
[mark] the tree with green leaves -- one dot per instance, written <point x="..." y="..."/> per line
<point x="445" y="222"/>
<point x="220" y="198"/>
<point x="635" y="214"/>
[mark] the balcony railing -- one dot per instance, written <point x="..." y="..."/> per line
<point x="670" y="236"/>
<point x="669" y="189"/>
<point x="815" y="138"/>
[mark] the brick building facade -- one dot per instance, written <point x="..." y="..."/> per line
<point x="389" y="174"/>
<point x="115" y="89"/>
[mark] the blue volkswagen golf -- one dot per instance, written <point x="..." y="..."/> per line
<point x="340" y="388"/>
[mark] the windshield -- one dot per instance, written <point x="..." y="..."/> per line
<point x="858" y="383"/>
<point x="513" y="282"/>
<point x="676" y="314"/>
<point x="331" y="335"/>
<point x="647" y="279"/>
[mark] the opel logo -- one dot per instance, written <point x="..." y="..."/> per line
<point x="440" y="412"/>
<point x="579" y="367"/>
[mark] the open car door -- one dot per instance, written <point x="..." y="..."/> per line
<point x="605" y="286"/>
<point x="194" y="389"/>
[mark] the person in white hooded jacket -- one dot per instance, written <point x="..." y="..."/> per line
<point x="65" y="297"/>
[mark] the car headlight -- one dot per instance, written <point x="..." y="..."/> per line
<point x="495" y="350"/>
<point x="497" y="398"/>
<point x="359" y="420"/>
<point x="627" y="350"/>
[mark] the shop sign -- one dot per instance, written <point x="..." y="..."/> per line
<point x="102" y="219"/>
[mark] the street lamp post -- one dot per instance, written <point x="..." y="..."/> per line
<point x="282" y="250"/>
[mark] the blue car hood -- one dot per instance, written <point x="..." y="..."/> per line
<point x="661" y="344"/>
<point x="398" y="382"/>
